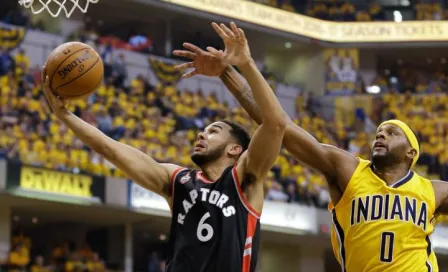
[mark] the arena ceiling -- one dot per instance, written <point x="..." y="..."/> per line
<point x="153" y="20"/>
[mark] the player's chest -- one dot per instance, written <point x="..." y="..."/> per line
<point x="204" y="208"/>
<point x="199" y="196"/>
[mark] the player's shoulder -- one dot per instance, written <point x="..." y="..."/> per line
<point x="438" y="185"/>
<point x="173" y="169"/>
<point x="338" y="155"/>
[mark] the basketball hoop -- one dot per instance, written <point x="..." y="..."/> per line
<point x="60" y="6"/>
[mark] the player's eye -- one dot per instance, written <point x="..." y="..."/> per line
<point x="393" y="133"/>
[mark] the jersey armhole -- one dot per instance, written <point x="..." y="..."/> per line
<point x="173" y="180"/>
<point x="362" y="164"/>
<point x="243" y="199"/>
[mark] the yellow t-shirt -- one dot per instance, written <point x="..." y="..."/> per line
<point x="18" y="258"/>
<point x="37" y="268"/>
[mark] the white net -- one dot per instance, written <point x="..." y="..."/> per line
<point x="68" y="6"/>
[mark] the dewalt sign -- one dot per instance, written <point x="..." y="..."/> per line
<point x="37" y="181"/>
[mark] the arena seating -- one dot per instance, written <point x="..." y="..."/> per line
<point x="64" y="257"/>
<point x="171" y="121"/>
<point x="354" y="10"/>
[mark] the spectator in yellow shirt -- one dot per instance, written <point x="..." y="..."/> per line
<point x="286" y="5"/>
<point x="22" y="59"/>
<point x="38" y="265"/>
<point x="95" y="264"/>
<point x="18" y="258"/>
<point x="75" y="264"/>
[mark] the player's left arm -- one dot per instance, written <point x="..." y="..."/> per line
<point x="441" y="195"/>
<point x="265" y="144"/>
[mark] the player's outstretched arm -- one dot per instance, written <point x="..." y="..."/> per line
<point x="266" y="142"/>
<point x="441" y="195"/>
<point x="134" y="163"/>
<point x="303" y="146"/>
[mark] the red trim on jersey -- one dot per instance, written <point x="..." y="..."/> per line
<point x="172" y="179"/>
<point x="241" y="194"/>
<point x="201" y="176"/>
<point x="247" y="253"/>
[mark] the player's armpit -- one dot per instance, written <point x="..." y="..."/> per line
<point x="441" y="195"/>
<point x="336" y="164"/>
<point x="256" y="162"/>
<point x="143" y="169"/>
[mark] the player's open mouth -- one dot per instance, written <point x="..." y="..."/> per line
<point x="199" y="145"/>
<point x="379" y="145"/>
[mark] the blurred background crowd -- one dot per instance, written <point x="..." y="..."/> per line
<point x="163" y="120"/>
<point x="361" y="11"/>
<point x="64" y="257"/>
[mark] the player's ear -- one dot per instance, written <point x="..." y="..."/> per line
<point x="235" y="150"/>
<point x="411" y="153"/>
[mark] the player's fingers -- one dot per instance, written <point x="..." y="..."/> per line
<point x="184" y="66"/>
<point x="242" y="34"/>
<point x="190" y="74"/>
<point x="46" y="84"/>
<point x="235" y="29"/>
<point x="193" y="48"/>
<point x="47" y="92"/>
<point x="214" y="52"/>
<point x="228" y="32"/>
<point x="218" y="30"/>
<point x="43" y="73"/>
<point x="184" y="53"/>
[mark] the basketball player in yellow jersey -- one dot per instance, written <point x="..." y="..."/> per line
<point x="383" y="212"/>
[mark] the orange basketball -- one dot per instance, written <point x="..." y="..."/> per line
<point x="75" y="70"/>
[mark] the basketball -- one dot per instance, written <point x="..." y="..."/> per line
<point x="75" y="70"/>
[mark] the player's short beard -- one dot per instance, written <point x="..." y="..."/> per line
<point x="387" y="160"/>
<point x="200" y="159"/>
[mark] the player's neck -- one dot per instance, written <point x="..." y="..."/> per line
<point x="391" y="175"/>
<point x="213" y="171"/>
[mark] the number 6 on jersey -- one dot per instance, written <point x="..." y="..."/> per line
<point x="203" y="227"/>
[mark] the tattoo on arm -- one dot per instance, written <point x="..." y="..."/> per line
<point x="239" y="87"/>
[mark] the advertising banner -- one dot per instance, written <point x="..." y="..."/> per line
<point x="341" y="72"/>
<point x="140" y="198"/>
<point x="336" y="32"/>
<point x="278" y="217"/>
<point x="54" y="185"/>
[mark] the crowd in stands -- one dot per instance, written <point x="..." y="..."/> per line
<point x="415" y="80"/>
<point x="159" y="120"/>
<point x="355" y="10"/>
<point x="163" y="122"/>
<point x="345" y="11"/>
<point x="64" y="257"/>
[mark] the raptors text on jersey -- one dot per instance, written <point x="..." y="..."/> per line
<point x="214" y="229"/>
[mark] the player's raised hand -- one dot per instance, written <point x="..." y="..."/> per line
<point x="57" y="104"/>
<point x="203" y="62"/>
<point x="237" y="50"/>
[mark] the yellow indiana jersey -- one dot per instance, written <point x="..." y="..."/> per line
<point x="384" y="228"/>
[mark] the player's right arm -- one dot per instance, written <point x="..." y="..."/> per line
<point x="138" y="166"/>
<point x="336" y="164"/>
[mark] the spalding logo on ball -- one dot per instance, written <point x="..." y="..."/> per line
<point x="75" y="70"/>
<point x="76" y="64"/>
